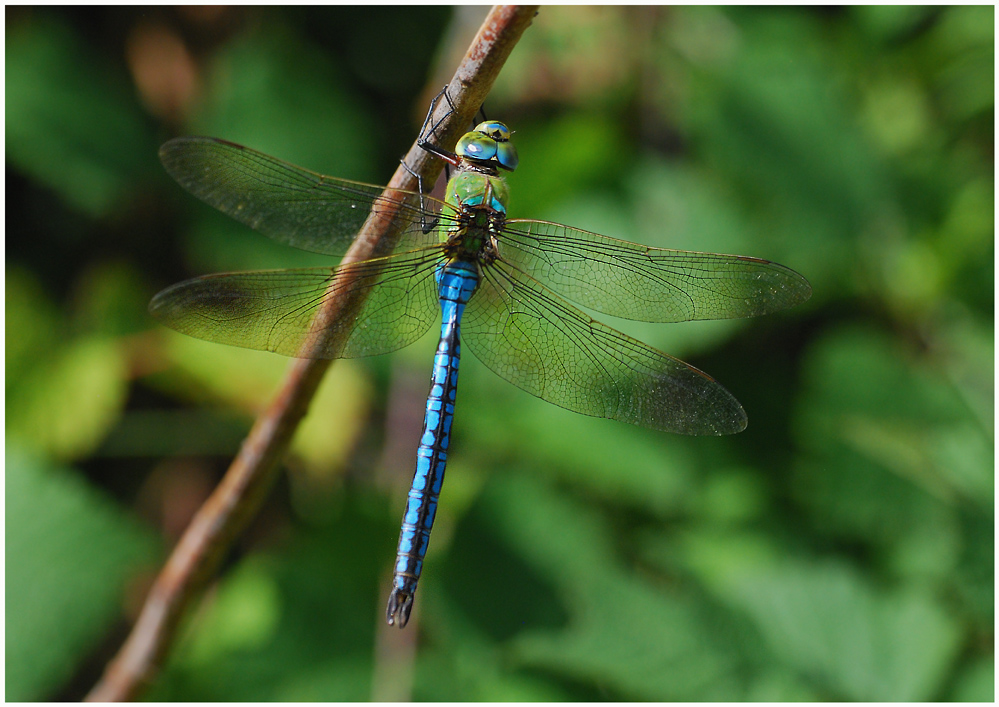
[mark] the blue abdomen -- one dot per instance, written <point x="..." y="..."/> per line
<point x="456" y="282"/>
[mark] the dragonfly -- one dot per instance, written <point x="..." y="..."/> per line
<point x="510" y="289"/>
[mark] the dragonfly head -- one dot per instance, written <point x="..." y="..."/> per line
<point x="489" y="144"/>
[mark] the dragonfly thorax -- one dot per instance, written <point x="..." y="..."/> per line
<point x="472" y="238"/>
<point x="469" y="189"/>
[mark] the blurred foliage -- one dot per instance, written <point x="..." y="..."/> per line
<point x="840" y="549"/>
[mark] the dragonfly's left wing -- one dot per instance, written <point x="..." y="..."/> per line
<point x="276" y="310"/>
<point x="633" y="281"/>
<point x="290" y="204"/>
<point x="544" y="345"/>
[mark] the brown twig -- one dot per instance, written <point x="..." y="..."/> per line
<point x="238" y="497"/>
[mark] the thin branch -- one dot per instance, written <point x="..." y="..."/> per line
<point x="240" y="494"/>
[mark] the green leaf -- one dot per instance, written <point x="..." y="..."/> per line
<point x="261" y="95"/>
<point x="977" y="683"/>
<point x="72" y="124"/>
<point x="69" y="554"/>
<point x="32" y="323"/>
<point x="855" y="641"/>
<point x="615" y="637"/>
<point x="242" y="615"/>
<point x="69" y="400"/>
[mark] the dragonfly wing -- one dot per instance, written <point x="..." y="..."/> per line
<point x="290" y="204"/>
<point x="546" y="346"/>
<point x="633" y="281"/>
<point x="276" y="310"/>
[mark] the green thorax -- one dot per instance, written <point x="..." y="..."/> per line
<point x="469" y="189"/>
<point x="479" y="199"/>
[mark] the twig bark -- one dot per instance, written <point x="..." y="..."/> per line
<point x="239" y="496"/>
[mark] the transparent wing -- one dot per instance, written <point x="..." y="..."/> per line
<point x="287" y="203"/>
<point x="275" y="310"/>
<point x="545" y="346"/>
<point x="633" y="281"/>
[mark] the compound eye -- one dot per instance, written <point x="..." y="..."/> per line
<point x="494" y="129"/>
<point x="476" y="146"/>
<point x="506" y="155"/>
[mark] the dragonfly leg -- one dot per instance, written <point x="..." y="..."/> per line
<point x="423" y="141"/>
<point x="433" y="106"/>
<point x="424" y="225"/>
<point x="430" y="113"/>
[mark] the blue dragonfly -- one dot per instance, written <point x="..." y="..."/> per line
<point x="503" y="287"/>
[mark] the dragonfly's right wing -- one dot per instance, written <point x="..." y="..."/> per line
<point x="276" y="310"/>
<point x="290" y="204"/>
<point x="544" y="345"/>
<point x="633" y="281"/>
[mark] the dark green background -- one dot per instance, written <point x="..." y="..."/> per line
<point x="841" y="548"/>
